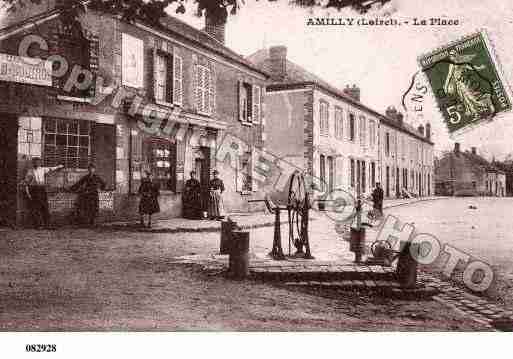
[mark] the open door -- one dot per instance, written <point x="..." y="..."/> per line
<point x="8" y="169"/>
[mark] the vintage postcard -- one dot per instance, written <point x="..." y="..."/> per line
<point x="174" y="168"/>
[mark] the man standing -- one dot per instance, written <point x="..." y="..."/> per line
<point x="36" y="192"/>
<point x="377" y="199"/>
<point x="88" y="202"/>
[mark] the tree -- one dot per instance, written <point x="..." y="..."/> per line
<point x="151" y="11"/>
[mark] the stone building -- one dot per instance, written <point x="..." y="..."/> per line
<point x="333" y="137"/>
<point x="465" y="173"/>
<point x="406" y="157"/>
<point x="128" y="97"/>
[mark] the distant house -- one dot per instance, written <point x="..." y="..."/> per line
<point x="468" y="174"/>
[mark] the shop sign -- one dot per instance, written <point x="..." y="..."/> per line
<point x="25" y="70"/>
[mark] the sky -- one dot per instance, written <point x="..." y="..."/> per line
<point x="380" y="60"/>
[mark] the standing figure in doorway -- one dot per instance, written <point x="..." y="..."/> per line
<point x="215" y="205"/>
<point x="35" y="190"/>
<point x="149" y="203"/>
<point x="377" y="200"/>
<point x="192" y="207"/>
<point x="88" y="203"/>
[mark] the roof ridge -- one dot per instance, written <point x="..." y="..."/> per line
<point x="316" y="79"/>
<point x="28" y="20"/>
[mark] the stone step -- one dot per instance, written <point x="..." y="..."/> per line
<point x="322" y="273"/>
<point x="388" y="288"/>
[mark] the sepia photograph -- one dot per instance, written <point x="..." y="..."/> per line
<point x="253" y="169"/>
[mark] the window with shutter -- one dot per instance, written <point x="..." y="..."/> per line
<point x="339" y="123"/>
<point x="212" y="92"/>
<point x="177" y="80"/>
<point x="204" y="90"/>
<point x="256" y="104"/>
<point x="160" y="77"/>
<point x="363" y="135"/>
<point x="240" y="96"/>
<point x="246" y="104"/>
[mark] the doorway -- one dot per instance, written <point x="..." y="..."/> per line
<point x="397" y="189"/>
<point x="420" y="184"/>
<point x="387" y="183"/>
<point x="8" y="169"/>
<point x="202" y="169"/>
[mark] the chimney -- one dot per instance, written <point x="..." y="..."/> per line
<point x="456" y="147"/>
<point x="474" y="150"/>
<point x="421" y="130"/>
<point x="391" y="112"/>
<point x="353" y="92"/>
<point x="278" y="57"/>
<point x="428" y="131"/>
<point x="215" y="26"/>
<point x="400" y="117"/>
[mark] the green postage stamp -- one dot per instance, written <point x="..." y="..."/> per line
<point x="466" y="81"/>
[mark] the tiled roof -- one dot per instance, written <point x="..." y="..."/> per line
<point x="175" y="26"/>
<point x="298" y="74"/>
<point x="480" y="161"/>
<point x="171" y="23"/>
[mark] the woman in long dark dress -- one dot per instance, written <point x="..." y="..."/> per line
<point x="149" y="203"/>
<point x="215" y="206"/>
<point x="192" y="198"/>
<point x="88" y="203"/>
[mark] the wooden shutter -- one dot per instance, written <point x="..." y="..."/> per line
<point x="194" y="91"/>
<point x="154" y="60"/>
<point x="207" y="84"/>
<point x="212" y="91"/>
<point x="177" y="80"/>
<point x="257" y="104"/>
<point x="240" y="89"/>
<point x="200" y="89"/>
<point x="253" y="162"/>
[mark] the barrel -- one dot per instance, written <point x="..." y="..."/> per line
<point x="357" y="243"/>
<point x="407" y="264"/>
<point x="239" y="255"/>
<point x="227" y="228"/>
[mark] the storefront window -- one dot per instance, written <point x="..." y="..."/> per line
<point x="66" y="142"/>
<point x="162" y="162"/>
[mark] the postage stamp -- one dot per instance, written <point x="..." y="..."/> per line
<point x="466" y="81"/>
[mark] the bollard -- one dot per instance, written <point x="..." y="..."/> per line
<point x="227" y="227"/>
<point x="239" y="255"/>
<point x="406" y="270"/>
<point x="357" y="243"/>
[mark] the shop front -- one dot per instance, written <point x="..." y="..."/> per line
<point x="73" y="143"/>
<point x="169" y="153"/>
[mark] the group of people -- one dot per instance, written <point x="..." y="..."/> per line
<point x="197" y="204"/>
<point x="87" y="187"/>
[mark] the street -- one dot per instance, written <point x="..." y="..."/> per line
<point x="485" y="233"/>
<point x="81" y="279"/>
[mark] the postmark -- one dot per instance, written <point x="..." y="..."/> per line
<point x="466" y="81"/>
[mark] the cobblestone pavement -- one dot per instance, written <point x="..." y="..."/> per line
<point x="485" y="233"/>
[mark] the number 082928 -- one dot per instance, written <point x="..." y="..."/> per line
<point x="41" y="348"/>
